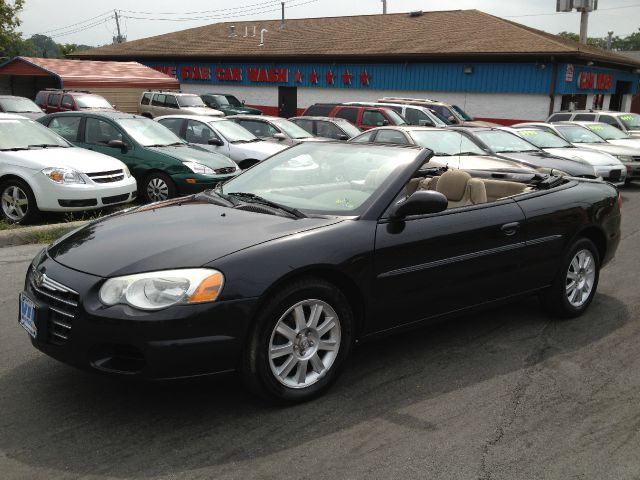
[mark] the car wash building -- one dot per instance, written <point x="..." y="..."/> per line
<point x="494" y="69"/>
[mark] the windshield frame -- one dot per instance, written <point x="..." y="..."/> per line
<point x="406" y="161"/>
<point x="465" y="116"/>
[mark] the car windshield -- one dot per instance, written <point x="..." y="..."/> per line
<point x="190" y="101"/>
<point x="631" y="121"/>
<point x="608" y="132"/>
<point x="441" y="117"/>
<point x="18" y="134"/>
<point x="233" y="101"/>
<point x="149" y="133"/>
<point x="396" y="119"/>
<point x="291" y="129"/>
<point x="465" y="116"/>
<point x="19" y="105"/>
<point x="233" y="132"/>
<point x="221" y="100"/>
<point x="576" y="134"/>
<point x="542" y="139"/>
<point x="348" y="127"/>
<point x="501" y="142"/>
<point x="92" y="101"/>
<point x="323" y="178"/>
<point x="446" y="142"/>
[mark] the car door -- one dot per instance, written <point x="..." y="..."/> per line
<point x="176" y="125"/>
<point x="53" y="103"/>
<point x="426" y="266"/>
<point x="67" y="103"/>
<point x="372" y="119"/>
<point x="96" y="134"/>
<point x="200" y="133"/>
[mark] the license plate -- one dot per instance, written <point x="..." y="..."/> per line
<point x="28" y="315"/>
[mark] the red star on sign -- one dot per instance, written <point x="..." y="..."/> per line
<point x="298" y="76"/>
<point x="329" y="77"/>
<point x="313" y="77"/>
<point x="346" y="78"/>
<point x="364" y="78"/>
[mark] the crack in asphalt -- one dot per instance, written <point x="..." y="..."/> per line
<point x="531" y="364"/>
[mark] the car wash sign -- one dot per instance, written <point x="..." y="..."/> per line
<point x="595" y="81"/>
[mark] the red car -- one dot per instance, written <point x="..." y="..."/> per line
<point x="364" y="117"/>
<point x="52" y="101"/>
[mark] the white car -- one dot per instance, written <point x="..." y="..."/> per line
<point x="222" y="136"/>
<point x="41" y="171"/>
<point x="611" y="134"/>
<point x="582" y="137"/>
<point x="607" y="166"/>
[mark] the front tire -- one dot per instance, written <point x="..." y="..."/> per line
<point x="157" y="186"/>
<point x="17" y="202"/>
<point x="575" y="285"/>
<point x="299" y="342"/>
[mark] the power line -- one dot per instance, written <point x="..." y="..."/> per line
<point x="561" y="13"/>
<point x="78" y="23"/>
<point x="244" y="13"/>
<point x="82" y="29"/>
<point x="242" y="7"/>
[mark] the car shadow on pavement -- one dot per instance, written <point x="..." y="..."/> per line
<point x="78" y="423"/>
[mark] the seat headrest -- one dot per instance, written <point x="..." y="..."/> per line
<point x="453" y="184"/>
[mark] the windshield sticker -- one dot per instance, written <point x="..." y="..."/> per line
<point x="529" y="133"/>
<point x="627" y="117"/>
<point x="596" y="127"/>
<point x="344" y="202"/>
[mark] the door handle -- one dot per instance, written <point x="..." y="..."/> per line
<point x="510" y="228"/>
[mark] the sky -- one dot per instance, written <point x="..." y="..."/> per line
<point x="92" y="22"/>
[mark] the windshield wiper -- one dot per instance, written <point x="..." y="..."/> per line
<point x="14" y="149"/>
<point x="216" y="198"/>
<point x="253" y="198"/>
<point x="47" y="145"/>
<point x="466" y="154"/>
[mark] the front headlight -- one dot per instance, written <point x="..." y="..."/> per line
<point x="158" y="290"/>
<point x="126" y="171"/>
<point x="625" y="158"/>
<point x="63" y="175"/>
<point x="199" y="168"/>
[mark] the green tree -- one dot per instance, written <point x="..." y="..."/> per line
<point x="45" y="47"/>
<point x="630" y="42"/>
<point x="593" y="41"/>
<point x="10" y="39"/>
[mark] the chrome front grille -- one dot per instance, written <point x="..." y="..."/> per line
<point x="62" y="304"/>
<point x="107" y="177"/>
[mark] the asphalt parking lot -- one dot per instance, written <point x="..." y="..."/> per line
<point x="505" y="394"/>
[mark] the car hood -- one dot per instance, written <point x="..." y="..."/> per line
<point x="611" y="148"/>
<point x="478" y="162"/>
<point x="195" y="153"/>
<point x="576" y="168"/>
<point x="181" y="233"/>
<point x="30" y="115"/>
<point x="592" y="156"/>
<point x="259" y="150"/>
<point x="80" y="159"/>
<point x="240" y="111"/>
<point x="627" y="142"/>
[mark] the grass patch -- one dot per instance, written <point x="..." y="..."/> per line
<point x="7" y="226"/>
<point x="47" y="236"/>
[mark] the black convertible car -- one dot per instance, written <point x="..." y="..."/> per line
<point x="278" y="272"/>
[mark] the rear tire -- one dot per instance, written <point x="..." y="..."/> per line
<point x="17" y="202"/>
<point x="157" y="186"/>
<point x="575" y="285"/>
<point x="299" y="343"/>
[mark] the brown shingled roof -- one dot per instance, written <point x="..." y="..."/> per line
<point x="431" y="35"/>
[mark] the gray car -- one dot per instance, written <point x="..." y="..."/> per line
<point x="275" y="129"/>
<point x="512" y="147"/>
<point x="156" y="104"/>
<point x="20" y="105"/>
<point x="583" y="137"/>
<point x="223" y="136"/>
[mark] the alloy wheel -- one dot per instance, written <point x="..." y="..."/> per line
<point x="157" y="189"/>
<point x="304" y="343"/>
<point x="580" y="278"/>
<point x="15" y="203"/>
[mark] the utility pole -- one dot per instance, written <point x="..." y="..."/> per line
<point x="282" y="25"/>
<point x="384" y="7"/>
<point x="584" y="23"/>
<point x="119" y="38"/>
<point x="609" y="38"/>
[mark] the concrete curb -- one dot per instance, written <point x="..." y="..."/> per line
<point x="34" y="234"/>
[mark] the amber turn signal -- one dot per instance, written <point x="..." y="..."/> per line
<point x="208" y="290"/>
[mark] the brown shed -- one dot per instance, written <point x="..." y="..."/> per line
<point x="121" y="83"/>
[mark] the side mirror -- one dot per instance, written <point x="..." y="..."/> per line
<point x="242" y="102"/>
<point x="280" y="136"/>
<point x="452" y="119"/>
<point x="68" y="106"/>
<point x="215" y="141"/>
<point x="385" y="123"/>
<point x="342" y="136"/>
<point x="118" y="144"/>
<point x="421" y="202"/>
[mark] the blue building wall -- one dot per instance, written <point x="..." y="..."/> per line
<point x="528" y="78"/>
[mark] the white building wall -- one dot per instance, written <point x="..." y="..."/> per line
<point x="507" y="106"/>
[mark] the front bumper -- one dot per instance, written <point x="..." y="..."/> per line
<point x="177" y="342"/>
<point x="633" y="170"/>
<point x="614" y="174"/>
<point x="54" y="197"/>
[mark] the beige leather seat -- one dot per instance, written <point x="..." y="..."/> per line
<point x="497" y="189"/>
<point x="460" y="188"/>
